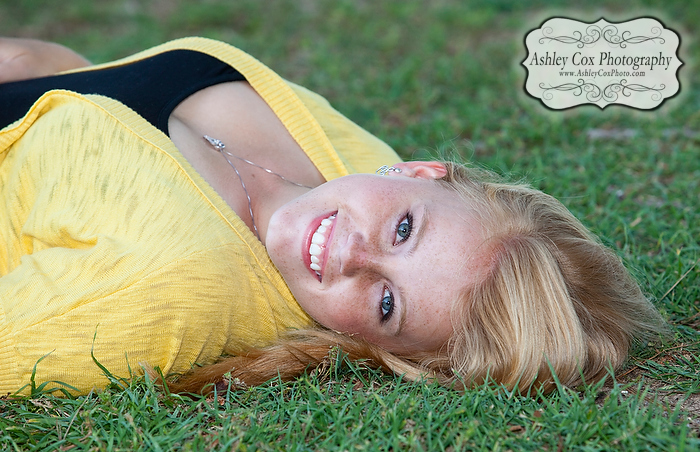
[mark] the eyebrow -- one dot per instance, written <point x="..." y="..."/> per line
<point x="424" y="222"/>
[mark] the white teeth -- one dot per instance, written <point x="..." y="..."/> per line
<point x="318" y="242"/>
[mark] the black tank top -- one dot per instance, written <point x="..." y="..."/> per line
<point x="152" y="87"/>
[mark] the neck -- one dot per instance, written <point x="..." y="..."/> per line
<point x="267" y="196"/>
<point x="264" y="195"/>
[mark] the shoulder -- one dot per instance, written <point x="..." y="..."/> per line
<point x="22" y="59"/>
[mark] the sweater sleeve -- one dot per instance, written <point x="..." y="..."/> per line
<point x="107" y="237"/>
<point x="161" y="318"/>
<point x="359" y="150"/>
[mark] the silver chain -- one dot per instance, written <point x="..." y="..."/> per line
<point x="221" y="147"/>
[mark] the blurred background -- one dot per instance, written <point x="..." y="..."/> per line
<point x="419" y="73"/>
<point x="442" y="78"/>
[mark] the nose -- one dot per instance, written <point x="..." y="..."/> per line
<point x="356" y="255"/>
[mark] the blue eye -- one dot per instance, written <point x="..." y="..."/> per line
<point x="404" y="228"/>
<point x="387" y="305"/>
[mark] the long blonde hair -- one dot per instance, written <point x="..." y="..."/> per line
<point x="552" y="301"/>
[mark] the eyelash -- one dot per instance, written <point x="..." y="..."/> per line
<point x="409" y="221"/>
<point x="387" y="295"/>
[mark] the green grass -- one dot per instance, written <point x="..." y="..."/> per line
<point x="430" y="78"/>
<point x="346" y="408"/>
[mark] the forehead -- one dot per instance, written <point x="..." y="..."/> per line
<point x="448" y="256"/>
<point x="446" y="261"/>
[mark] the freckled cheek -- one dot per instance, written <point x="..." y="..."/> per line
<point x="350" y="321"/>
<point x="348" y="317"/>
<point x="441" y="326"/>
<point x="349" y="308"/>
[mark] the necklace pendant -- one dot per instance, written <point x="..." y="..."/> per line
<point x="217" y="144"/>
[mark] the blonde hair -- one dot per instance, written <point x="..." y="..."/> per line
<point x="553" y="301"/>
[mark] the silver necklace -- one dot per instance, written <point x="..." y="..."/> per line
<point x="221" y="147"/>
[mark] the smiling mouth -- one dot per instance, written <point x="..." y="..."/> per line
<point x="317" y="247"/>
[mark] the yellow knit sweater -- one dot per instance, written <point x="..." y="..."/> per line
<point x="112" y="245"/>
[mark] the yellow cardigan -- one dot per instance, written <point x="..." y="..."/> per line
<point x="112" y="244"/>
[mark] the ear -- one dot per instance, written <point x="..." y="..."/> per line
<point x="422" y="170"/>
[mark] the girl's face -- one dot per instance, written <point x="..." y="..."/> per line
<point x="383" y="257"/>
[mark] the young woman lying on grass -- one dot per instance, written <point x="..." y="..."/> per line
<point x="187" y="203"/>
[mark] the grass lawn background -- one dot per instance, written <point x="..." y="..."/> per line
<point x="431" y="78"/>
